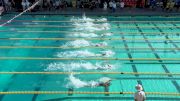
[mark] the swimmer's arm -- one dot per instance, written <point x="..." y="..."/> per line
<point x="135" y="97"/>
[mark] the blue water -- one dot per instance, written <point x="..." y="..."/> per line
<point x="122" y="83"/>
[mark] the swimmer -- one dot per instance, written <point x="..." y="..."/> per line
<point x="104" y="81"/>
<point x="106" y="34"/>
<point x="100" y="44"/>
<point x="105" y="67"/>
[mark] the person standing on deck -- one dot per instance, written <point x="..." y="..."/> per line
<point x="140" y="94"/>
<point x="1" y="9"/>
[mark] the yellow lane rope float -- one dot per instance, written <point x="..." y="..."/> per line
<point x="69" y="32"/>
<point x="127" y="39"/>
<point x="56" y="26"/>
<point x="31" y="31"/>
<point x="101" y="21"/>
<point x="123" y="59"/>
<point x="85" y="73"/>
<point x="104" y="47"/>
<point x="81" y="92"/>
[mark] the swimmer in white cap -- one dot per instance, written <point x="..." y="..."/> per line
<point x="139" y="95"/>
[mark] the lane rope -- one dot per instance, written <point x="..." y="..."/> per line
<point x="123" y="59"/>
<point x="85" y="73"/>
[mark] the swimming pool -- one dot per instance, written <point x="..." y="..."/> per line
<point x="128" y="49"/>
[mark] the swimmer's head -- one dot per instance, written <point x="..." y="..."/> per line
<point x="139" y="87"/>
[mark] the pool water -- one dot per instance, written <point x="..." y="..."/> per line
<point x="147" y="38"/>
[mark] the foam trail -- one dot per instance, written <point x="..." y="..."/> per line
<point x="83" y="43"/>
<point x="89" y="35"/>
<point x="77" y="83"/>
<point x="85" y="53"/>
<point x="79" y="66"/>
<point x="20" y="13"/>
<point x="91" y="27"/>
<point x="77" y="43"/>
<point x="81" y="53"/>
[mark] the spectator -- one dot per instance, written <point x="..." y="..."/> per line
<point x="1" y="9"/>
<point x="25" y="4"/>
<point x="8" y="5"/>
<point x="47" y="4"/>
<point x="118" y="4"/>
<point x="122" y="4"/>
<point x="105" y="6"/>
<point x="110" y="4"/>
<point x="39" y="5"/>
<point x="170" y="5"/>
<point x="92" y="5"/>
<point x="152" y="4"/>
<point x="113" y="6"/>
<point x="57" y="4"/>
<point x="177" y="5"/>
<point x="139" y="95"/>
<point x="74" y="4"/>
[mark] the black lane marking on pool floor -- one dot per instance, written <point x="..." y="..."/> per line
<point x="158" y="57"/>
<point x="166" y="36"/>
<point x="10" y="82"/>
<point x="7" y="86"/>
<point x="164" y="66"/>
<point x="130" y="57"/>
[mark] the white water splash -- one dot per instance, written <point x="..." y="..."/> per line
<point x="85" y="53"/>
<point x="77" y="83"/>
<point x="77" y="43"/>
<point x="81" y="53"/>
<point x="106" y="34"/>
<point x="79" y="66"/>
<point x="91" y="27"/>
<point x="89" y="35"/>
<point x="83" y="43"/>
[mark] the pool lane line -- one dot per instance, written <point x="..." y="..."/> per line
<point x="155" y="63"/>
<point x="163" y="66"/>
<point x="57" y="26"/>
<point x="147" y="78"/>
<point x="70" y="32"/>
<point x="134" y="68"/>
<point x="127" y="39"/>
<point x="96" y="21"/>
<point x="122" y="59"/>
<point x="104" y="16"/>
<point x="113" y="98"/>
<point x="104" y="47"/>
<point x="87" y="92"/>
<point x="92" y="73"/>
<point x="60" y="32"/>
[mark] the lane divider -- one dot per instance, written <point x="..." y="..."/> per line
<point x="85" y="73"/>
<point x="122" y="59"/>
<point x="104" y="47"/>
<point x="127" y="39"/>
<point x="56" y="26"/>
<point x="86" y="92"/>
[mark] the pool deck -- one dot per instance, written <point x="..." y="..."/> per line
<point x="122" y="12"/>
